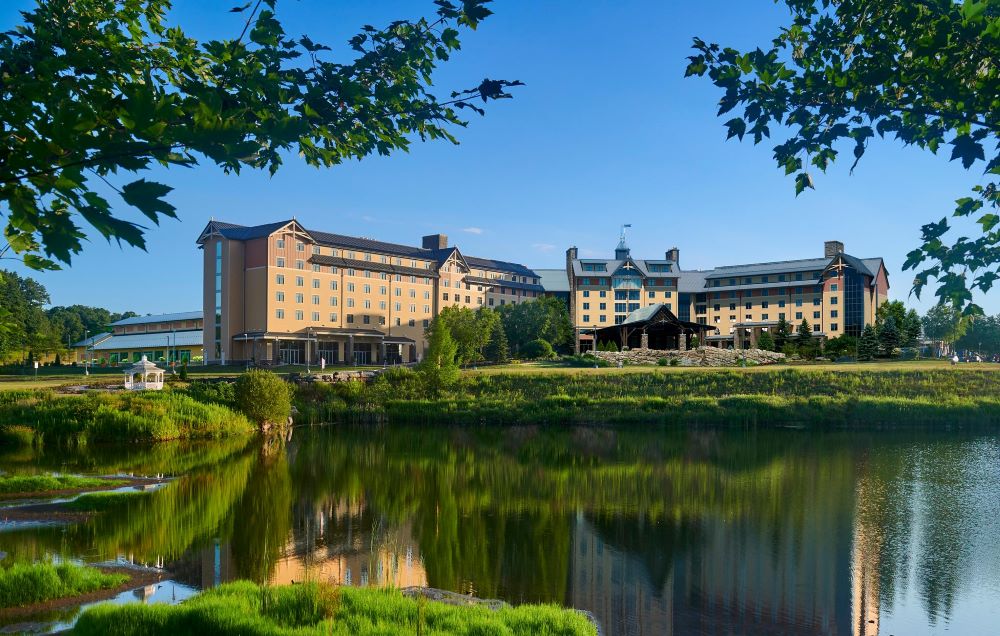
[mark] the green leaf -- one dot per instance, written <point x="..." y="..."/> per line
<point x="39" y="263"/>
<point x="967" y="149"/>
<point x="146" y="195"/>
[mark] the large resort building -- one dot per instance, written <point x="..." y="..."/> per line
<point x="283" y="294"/>
<point x="625" y="298"/>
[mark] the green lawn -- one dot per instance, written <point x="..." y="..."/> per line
<point x="27" y="583"/>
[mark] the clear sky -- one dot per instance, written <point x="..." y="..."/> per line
<point x="606" y="131"/>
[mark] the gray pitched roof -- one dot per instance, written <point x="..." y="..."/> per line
<point x="554" y="280"/>
<point x="163" y="339"/>
<point x="144" y="320"/>
<point x="92" y="340"/>
<point x="774" y="267"/>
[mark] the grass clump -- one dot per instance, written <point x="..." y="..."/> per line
<point x="102" y="501"/>
<point x="19" y="484"/>
<point x="26" y="583"/>
<point x="121" y="417"/>
<point x="246" y="608"/>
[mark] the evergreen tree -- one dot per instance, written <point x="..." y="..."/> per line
<point x="765" y="342"/>
<point x="781" y="332"/>
<point x="912" y="329"/>
<point x="888" y="335"/>
<point x="806" y="343"/>
<point x="497" y="349"/>
<point x="439" y="369"/>
<point x="868" y="344"/>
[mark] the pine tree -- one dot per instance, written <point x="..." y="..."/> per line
<point x="497" y="349"/>
<point x="765" y="342"/>
<point x="888" y="336"/>
<point x="806" y="344"/>
<point x="781" y="332"/>
<point x="439" y="369"/>
<point x="912" y="329"/>
<point x="868" y="344"/>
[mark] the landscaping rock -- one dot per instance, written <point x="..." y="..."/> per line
<point x="700" y="357"/>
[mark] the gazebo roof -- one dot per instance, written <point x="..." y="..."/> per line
<point x="143" y="365"/>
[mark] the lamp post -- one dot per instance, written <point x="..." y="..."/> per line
<point x="308" y="339"/>
<point x="86" y="371"/>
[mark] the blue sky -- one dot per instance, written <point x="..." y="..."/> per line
<point x="606" y="131"/>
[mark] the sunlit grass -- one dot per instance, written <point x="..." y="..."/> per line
<point x="246" y="608"/>
<point x="24" y="584"/>
<point x="101" y="501"/>
<point x="18" y="484"/>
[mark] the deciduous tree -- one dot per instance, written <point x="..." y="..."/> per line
<point x="93" y="89"/>
<point x="845" y="71"/>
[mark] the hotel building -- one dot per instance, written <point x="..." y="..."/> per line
<point x="280" y="293"/>
<point x="837" y="294"/>
<point x="161" y="338"/>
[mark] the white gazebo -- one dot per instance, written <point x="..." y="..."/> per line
<point x="143" y="375"/>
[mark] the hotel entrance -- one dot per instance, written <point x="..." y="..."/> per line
<point x="291" y="352"/>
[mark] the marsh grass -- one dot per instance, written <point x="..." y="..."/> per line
<point x="23" y="584"/>
<point x="788" y="397"/>
<point x="19" y="484"/>
<point x="311" y="608"/>
<point x="119" y="417"/>
<point x="103" y="501"/>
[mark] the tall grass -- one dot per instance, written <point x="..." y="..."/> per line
<point x="246" y="608"/>
<point x="19" y="484"/>
<point x="24" y="584"/>
<point x="938" y="397"/>
<point x="120" y="417"/>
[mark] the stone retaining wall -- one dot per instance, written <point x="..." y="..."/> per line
<point x="700" y="357"/>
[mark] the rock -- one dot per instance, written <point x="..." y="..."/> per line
<point x="700" y="357"/>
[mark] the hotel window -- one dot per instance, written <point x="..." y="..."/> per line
<point x="413" y="308"/>
<point x="333" y="270"/>
<point x="412" y="323"/>
<point x="427" y="323"/>
<point x="798" y="315"/>
<point x="333" y="301"/>
<point x="367" y="289"/>
<point x="763" y="279"/>
<point x="315" y="316"/>
<point x="604" y="294"/>
<point x="281" y="262"/>
<point x="586" y="306"/>
<point x="833" y="326"/>
<point x="381" y="320"/>
<point x="749" y="317"/>
<point x="333" y="317"/>
<point x="427" y="295"/>
<point x="381" y="305"/>
<point x="447" y="283"/>
<point x="382" y="290"/>
<point x="317" y="268"/>
<point x="368" y="274"/>
<point x="368" y="257"/>
<point x="300" y="247"/>
<point x="765" y="292"/>
<point x="279" y="313"/>
<point x="299" y="298"/>
<point x="333" y="284"/>
<point x="299" y="281"/>
<point x="368" y="304"/>
<point x="834" y="300"/>
<point x="413" y="293"/>
<point x="716" y="307"/>
<point x="816" y="327"/>
<point x="279" y="296"/>
<point x="316" y="249"/>
<point x="816" y="315"/>
<point x="833" y="313"/>
<point x="586" y="294"/>
<point x="351" y="271"/>
<point x="817" y="302"/>
<point x="763" y="316"/>
<point x="833" y="286"/>
<point x="798" y="302"/>
<point x="718" y="295"/>
<point x="586" y="317"/>
<point x="479" y="300"/>
<point x="280" y="279"/>
<point x="781" y="303"/>
<point x="747" y="280"/>
<point x="652" y="294"/>
<point x="732" y="281"/>
<point x="798" y="276"/>
<point x="350" y="302"/>
<point x="781" y="278"/>
<point x="335" y="252"/>
<point x="298" y="314"/>
<point x="468" y="300"/>
<point x="669" y="308"/>
<point x="399" y="292"/>
<point x="732" y="318"/>
<point x="732" y="294"/>
<point x="749" y="305"/>
<point x="281" y="244"/>
<point x="350" y="317"/>
<point x="604" y="306"/>
<point x="764" y="304"/>
<point x="427" y="281"/>
<point x="300" y="265"/>
<point x="315" y="283"/>
<point x="732" y="306"/>
<point x="315" y="300"/>
<point x="445" y="295"/>
<point x="781" y="316"/>
<point x="427" y="308"/>
<point x="491" y="302"/>
<point x="366" y="319"/>
<point x="350" y="287"/>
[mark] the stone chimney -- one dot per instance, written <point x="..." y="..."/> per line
<point x="832" y="248"/>
<point x="674" y="254"/>
<point x="435" y="242"/>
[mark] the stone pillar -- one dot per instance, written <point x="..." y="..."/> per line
<point x="682" y="344"/>
<point x="382" y="353"/>
<point x="644" y="341"/>
<point x="753" y="337"/>
<point x="349" y="354"/>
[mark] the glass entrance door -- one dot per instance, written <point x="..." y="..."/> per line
<point x="291" y="352"/>
<point x="362" y="354"/>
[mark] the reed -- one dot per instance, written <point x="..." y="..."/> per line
<point x="26" y="583"/>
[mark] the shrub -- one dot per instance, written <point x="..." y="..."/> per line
<point x="766" y="341"/>
<point x="662" y="362"/>
<point x="184" y="371"/>
<point x="213" y="393"/>
<point x="263" y="397"/>
<point x="674" y="362"/>
<point x="538" y="349"/>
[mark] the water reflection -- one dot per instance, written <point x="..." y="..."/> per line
<point x="654" y="532"/>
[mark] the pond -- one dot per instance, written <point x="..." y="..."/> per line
<point x="654" y="532"/>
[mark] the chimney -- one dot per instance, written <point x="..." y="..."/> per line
<point x="435" y="242"/>
<point x="832" y="248"/>
<point x="674" y="254"/>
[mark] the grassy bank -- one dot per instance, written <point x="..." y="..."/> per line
<point x="807" y="397"/>
<point x="119" y="417"/>
<point x="23" y="584"/>
<point x="245" y="608"/>
<point x="20" y="484"/>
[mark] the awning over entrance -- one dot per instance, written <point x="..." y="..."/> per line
<point x="651" y="327"/>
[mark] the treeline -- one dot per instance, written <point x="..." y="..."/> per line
<point x="28" y="330"/>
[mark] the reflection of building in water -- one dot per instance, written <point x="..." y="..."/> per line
<point x="714" y="576"/>
<point x="865" y="566"/>
<point x="341" y="542"/>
